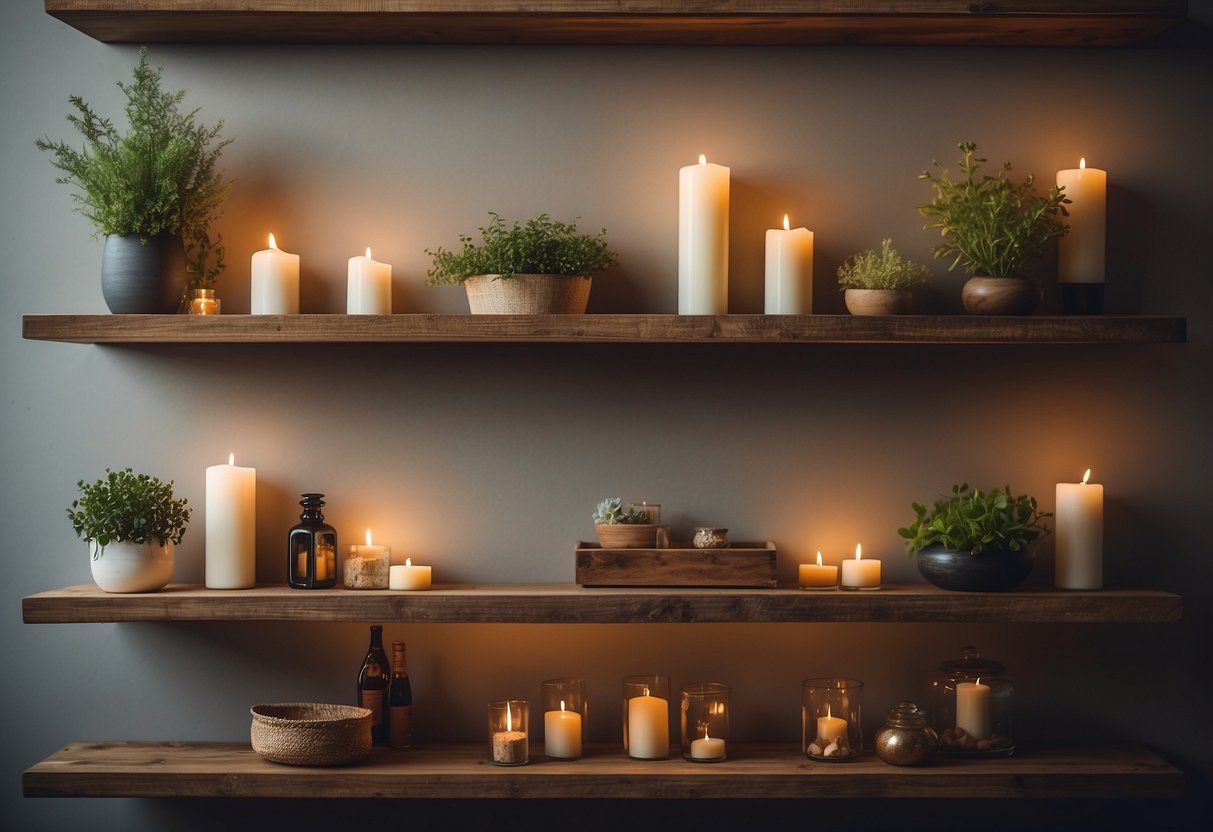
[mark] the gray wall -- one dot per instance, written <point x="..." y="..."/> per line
<point x="487" y="461"/>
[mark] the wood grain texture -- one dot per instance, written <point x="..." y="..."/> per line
<point x="948" y="22"/>
<point x="180" y="769"/>
<point x="741" y="565"/>
<point x="628" y="328"/>
<point x="571" y="604"/>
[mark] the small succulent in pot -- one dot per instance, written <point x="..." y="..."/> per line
<point x="611" y="512"/>
<point x="625" y="528"/>
<point x="130" y="507"/>
<point x="880" y="283"/>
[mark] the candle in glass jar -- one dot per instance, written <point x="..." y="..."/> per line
<point x="368" y="287"/>
<point x="703" y="239"/>
<point x="1078" y="562"/>
<point x="789" y="270"/>
<point x="973" y="709"/>
<point x="409" y="576"/>
<point x="231" y="526"/>
<point x="648" y="727"/>
<point x="707" y="748"/>
<point x="562" y="733"/>
<point x="817" y="576"/>
<point x="859" y="573"/>
<point x="830" y="729"/>
<point x="275" y="281"/>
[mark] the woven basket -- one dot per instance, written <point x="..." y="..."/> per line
<point x="308" y="734"/>
<point x="528" y="294"/>
<point x="628" y="535"/>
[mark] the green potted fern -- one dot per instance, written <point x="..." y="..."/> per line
<point x="996" y="228"/>
<point x="153" y="192"/>
<point x="538" y="267"/>
<point x="880" y="283"/>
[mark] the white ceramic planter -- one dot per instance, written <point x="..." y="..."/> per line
<point x="133" y="567"/>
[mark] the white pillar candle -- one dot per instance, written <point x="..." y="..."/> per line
<point x="1078" y="519"/>
<point x="369" y="287"/>
<point x="859" y="573"/>
<point x="789" y="270"/>
<point x="275" y="284"/>
<point x="707" y="748"/>
<point x="817" y="576"/>
<point x="703" y="239"/>
<point x="231" y="526"/>
<point x="562" y="733"/>
<point x="648" y="727"/>
<point x="410" y="577"/>
<point x="1080" y="254"/>
<point x="830" y="729"/>
<point x="973" y="709"/>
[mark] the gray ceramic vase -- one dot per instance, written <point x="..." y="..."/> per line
<point x="143" y="279"/>
<point x="990" y="571"/>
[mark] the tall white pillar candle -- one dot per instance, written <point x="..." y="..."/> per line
<point x="369" y="287"/>
<point x="1081" y="252"/>
<point x="789" y="270"/>
<point x="275" y="281"/>
<point x="231" y="526"/>
<point x="648" y="727"/>
<point x="1078" y="519"/>
<point x="703" y="239"/>
<point x="973" y="709"/>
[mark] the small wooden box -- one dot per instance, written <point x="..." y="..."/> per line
<point x="740" y="565"/>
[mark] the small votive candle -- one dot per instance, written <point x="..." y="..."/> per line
<point x="366" y="566"/>
<point x="564" y="718"/>
<point x="817" y="576"/>
<point x="858" y="573"/>
<point x="705" y="722"/>
<point x="204" y="302"/>
<point x="509" y="744"/>
<point x="407" y="576"/>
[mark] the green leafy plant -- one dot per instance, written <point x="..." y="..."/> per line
<point x="611" y="512"/>
<point x="993" y="226"/>
<point x="158" y="176"/>
<point x="975" y="521"/>
<point x="128" y="506"/>
<point x="540" y="246"/>
<point x="884" y="270"/>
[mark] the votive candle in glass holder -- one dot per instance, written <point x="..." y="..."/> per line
<point x="832" y="719"/>
<point x="564" y="718"/>
<point x="651" y="511"/>
<point x="646" y="717"/>
<point x="366" y="567"/>
<point x="818" y="576"/>
<point x="705" y="722"/>
<point x="509" y="743"/>
<point x="204" y="302"/>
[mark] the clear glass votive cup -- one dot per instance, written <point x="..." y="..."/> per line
<point x="705" y="722"/>
<point x="204" y="302"/>
<point x="509" y="740"/>
<point x="832" y="719"/>
<point x="366" y="567"/>
<point x="646" y="717"/>
<point x="564" y="718"/>
<point x="652" y="511"/>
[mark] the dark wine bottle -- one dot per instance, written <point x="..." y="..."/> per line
<point x="373" y="680"/>
<point x="400" y="701"/>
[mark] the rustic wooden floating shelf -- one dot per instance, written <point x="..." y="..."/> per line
<point x="190" y="769"/>
<point x="772" y="22"/>
<point x="571" y="604"/>
<point x="624" y="328"/>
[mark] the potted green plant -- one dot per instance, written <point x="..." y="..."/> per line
<point x="541" y="266"/>
<point x="625" y="528"/>
<point x="994" y="227"/>
<point x="880" y="283"/>
<point x="974" y="540"/>
<point x="153" y="191"/>
<point x="131" y="523"/>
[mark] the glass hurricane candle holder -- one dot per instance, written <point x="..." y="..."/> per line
<point x="973" y="706"/>
<point x="651" y="511"/>
<point x="204" y="302"/>
<point x="705" y="722"/>
<point x="832" y="718"/>
<point x="366" y="567"/>
<point x="509" y="741"/>
<point x="646" y="717"/>
<point x="564" y="718"/>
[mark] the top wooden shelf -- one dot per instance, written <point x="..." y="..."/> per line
<point x="858" y="22"/>
<point x="630" y="328"/>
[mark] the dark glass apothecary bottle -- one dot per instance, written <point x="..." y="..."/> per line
<point x="311" y="549"/>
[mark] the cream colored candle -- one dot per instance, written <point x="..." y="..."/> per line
<point x="231" y="526"/>
<point x="1078" y="518"/>
<point x="859" y="573"/>
<point x="708" y="748"/>
<point x="275" y="281"/>
<point x="1080" y="253"/>
<point x="562" y="733"/>
<point x="973" y="709"/>
<point x="789" y="270"/>
<point x="368" y="287"/>
<point x="830" y="729"/>
<point x="817" y="576"/>
<point x="410" y="577"/>
<point x="648" y="727"/>
<point x="703" y="239"/>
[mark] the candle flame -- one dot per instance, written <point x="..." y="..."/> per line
<point x="858" y="552"/>
<point x="705" y="734"/>
<point x="562" y="704"/>
<point x="703" y="160"/>
<point x="408" y="561"/>
<point x="509" y="718"/>
<point x="1086" y="476"/>
<point x="819" y="558"/>
<point x="1082" y="163"/>
<point x="787" y="226"/>
<point x="646" y="690"/>
<point x="827" y="711"/>
<point x="231" y="459"/>
<point x="273" y="242"/>
<point x="368" y="252"/>
<point x="368" y="537"/>
<point x="979" y="680"/>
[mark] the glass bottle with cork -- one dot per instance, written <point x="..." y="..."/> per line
<point x="373" y="681"/>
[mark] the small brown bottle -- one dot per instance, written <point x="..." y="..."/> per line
<point x="400" y="701"/>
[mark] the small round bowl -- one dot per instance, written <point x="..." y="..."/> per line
<point x="311" y="734"/>
<point x="991" y="571"/>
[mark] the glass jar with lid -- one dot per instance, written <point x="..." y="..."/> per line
<point x="973" y="706"/>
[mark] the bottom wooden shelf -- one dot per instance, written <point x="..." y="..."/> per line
<point x="183" y="769"/>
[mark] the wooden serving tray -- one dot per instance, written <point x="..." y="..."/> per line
<point x="740" y="565"/>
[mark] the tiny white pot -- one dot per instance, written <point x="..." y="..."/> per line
<point x="133" y="567"/>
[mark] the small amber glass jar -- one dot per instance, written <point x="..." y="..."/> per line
<point x="204" y="302"/>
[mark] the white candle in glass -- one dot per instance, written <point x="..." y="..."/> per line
<point x="562" y="733"/>
<point x="648" y="727"/>
<point x="973" y="709"/>
<point x="859" y="573"/>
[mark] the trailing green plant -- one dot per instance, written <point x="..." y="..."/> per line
<point x="884" y="270"/>
<point x="125" y="506"/>
<point x="540" y="246"/>
<point x="160" y="175"/>
<point x="975" y="521"/>
<point x="992" y="225"/>
<point x="611" y="512"/>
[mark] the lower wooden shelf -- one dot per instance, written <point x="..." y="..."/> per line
<point x="181" y="769"/>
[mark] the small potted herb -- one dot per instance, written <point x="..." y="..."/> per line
<point x="538" y="267"/>
<point x="994" y="227"/>
<point x="880" y="283"/>
<point x="625" y="528"/>
<point x="131" y="523"/>
<point x="974" y="540"/>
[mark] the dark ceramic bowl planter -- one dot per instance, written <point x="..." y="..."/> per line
<point x="1000" y="296"/>
<point x="143" y="279"/>
<point x="990" y="571"/>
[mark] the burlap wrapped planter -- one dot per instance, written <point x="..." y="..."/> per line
<point x="310" y="734"/>
<point x="527" y="294"/>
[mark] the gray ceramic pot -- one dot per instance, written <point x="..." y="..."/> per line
<point x="991" y="571"/>
<point x="143" y="279"/>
